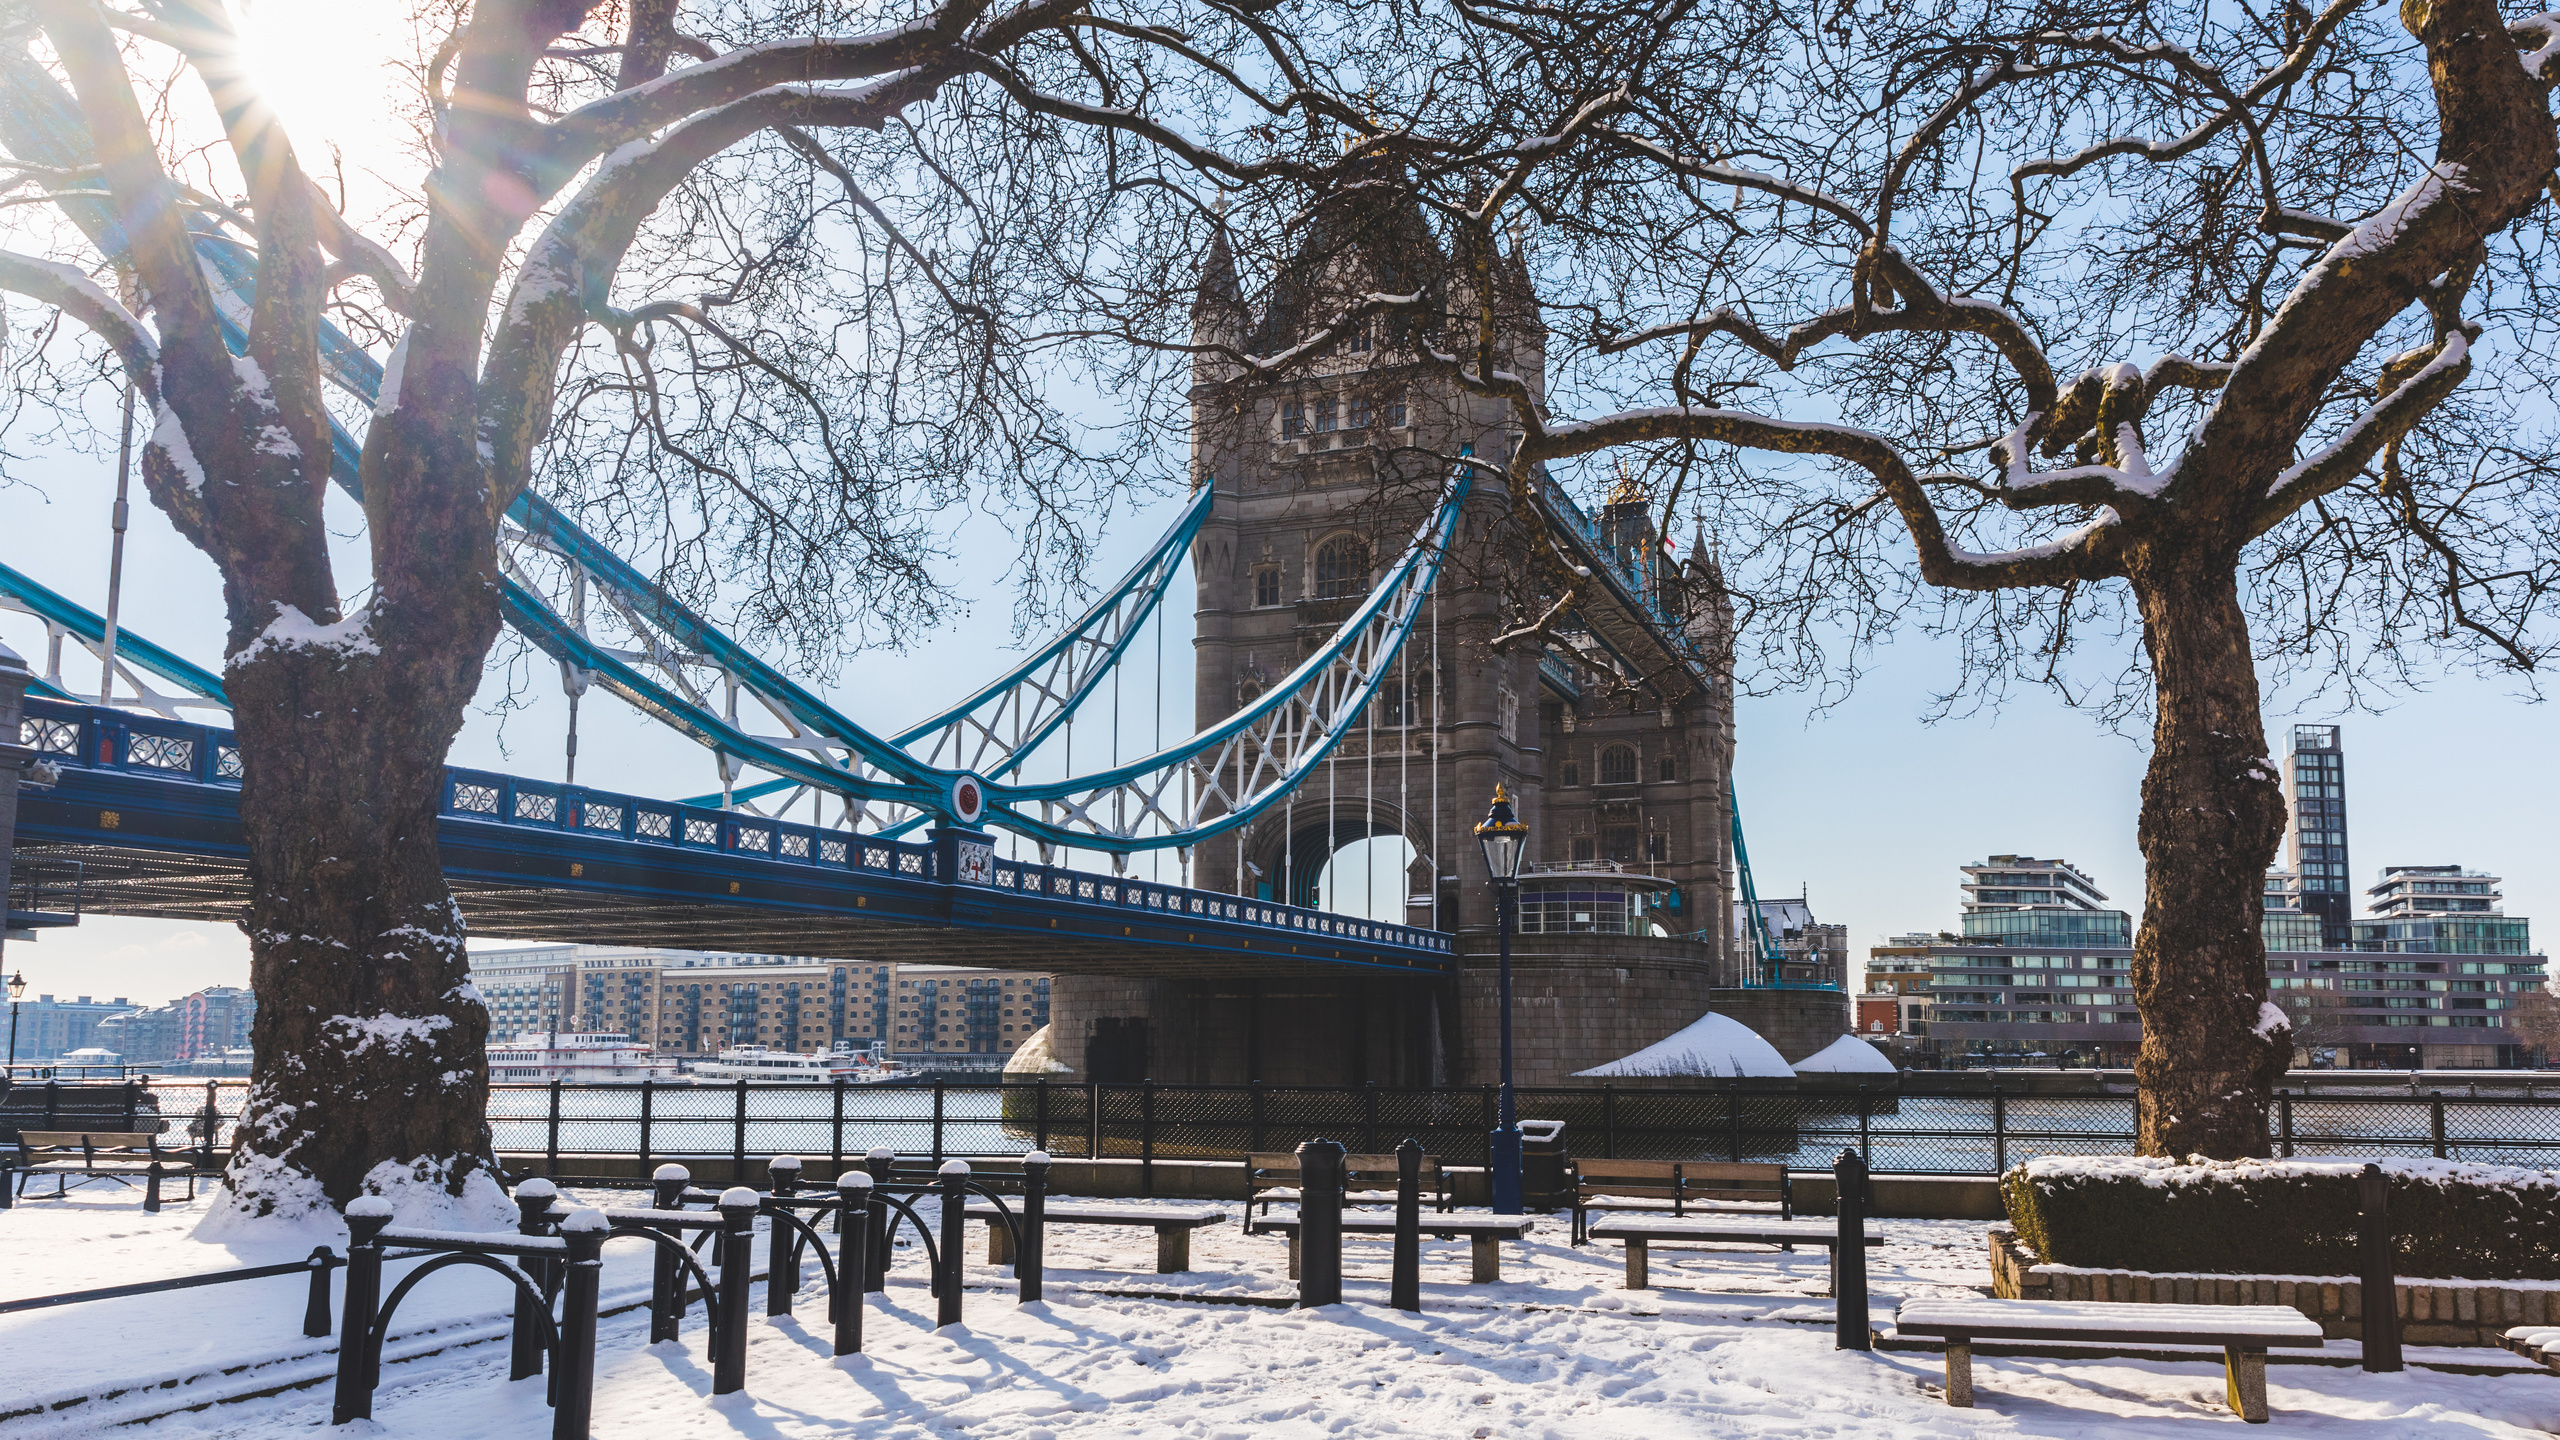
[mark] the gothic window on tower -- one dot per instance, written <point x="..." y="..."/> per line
<point x="1266" y="585"/>
<point x="1618" y="843"/>
<point x="1293" y="419"/>
<point x="1584" y="850"/>
<point x="1357" y="416"/>
<point x="1572" y="773"/>
<point x="1328" y="415"/>
<point x="1618" y="767"/>
<point x="1358" y="341"/>
<point x="1670" y="768"/>
<point x="1395" y="414"/>
<point x="1655" y="850"/>
<point x="1342" y="568"/>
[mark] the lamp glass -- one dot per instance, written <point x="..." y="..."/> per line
<point x="18" y="985"/>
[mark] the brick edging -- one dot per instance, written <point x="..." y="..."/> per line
<point x="2469" y="1312"/>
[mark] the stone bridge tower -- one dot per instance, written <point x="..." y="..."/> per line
<point x="1616" y="744"/>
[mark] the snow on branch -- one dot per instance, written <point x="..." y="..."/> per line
<point x="2389" y="418"/>
<point x="68" y="289"/>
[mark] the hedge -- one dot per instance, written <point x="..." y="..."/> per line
<point x="2283" y="1217"/>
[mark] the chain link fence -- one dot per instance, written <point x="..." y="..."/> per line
<point x="1924" y="1126"/>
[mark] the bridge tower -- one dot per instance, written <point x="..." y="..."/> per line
<point x="1617" y="748"/>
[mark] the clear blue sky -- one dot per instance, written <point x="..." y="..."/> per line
<point x="1865" y="807"/>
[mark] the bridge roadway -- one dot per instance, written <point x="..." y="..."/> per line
<point x="150" y="810"/>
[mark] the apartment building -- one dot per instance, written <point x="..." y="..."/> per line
<point x="694" y="1004"/>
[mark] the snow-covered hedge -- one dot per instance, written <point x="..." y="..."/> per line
<point x="2279" y="1217"/>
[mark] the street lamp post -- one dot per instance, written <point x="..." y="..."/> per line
<point x="17" y="992"/>
<point x="1505" y="840"/>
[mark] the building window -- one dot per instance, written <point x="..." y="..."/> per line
<point x="1618" y="843"/>
<point x="1655" y="850"/>
<point x="1618" y="766"/>
<point x="1670" y="769"/>
<point x="1357" y="342"/>
<point x="1583" y="849"/>
<point x="1395" y="414"/>
<point x="1266" y="585"/>
<point x="1342" y="568"/>
<point x="1293" y="419"/>
<point x="1359" y="416"/>
<point x="1572" y="773"/>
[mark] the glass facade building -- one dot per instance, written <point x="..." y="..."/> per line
<point x="2315" y="793"/>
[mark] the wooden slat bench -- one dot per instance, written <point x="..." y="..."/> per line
<point x="1484" y="1233"/>
<point x="1366" y="1179"/>
<point x="1173" y="1225"/>
<point x="1651" y="1184"/>
<point x="1639" y="1231"/>
<point x="103" y="1154"/>
<point x="2245" y="1333"/>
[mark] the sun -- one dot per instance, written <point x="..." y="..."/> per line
<point x="329" y="69"/>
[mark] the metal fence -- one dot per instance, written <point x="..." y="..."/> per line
<point x="1924" y="1127"/>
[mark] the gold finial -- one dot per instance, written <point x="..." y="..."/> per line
<point x="1628" y="490"/>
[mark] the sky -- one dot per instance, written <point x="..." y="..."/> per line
<point x="1863" y="807"/>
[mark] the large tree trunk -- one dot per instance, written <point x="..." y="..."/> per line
<point x="371" y="1075"/>
<point x="2212" y="814"/>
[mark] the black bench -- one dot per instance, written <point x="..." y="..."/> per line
<point x="1677" y="1184"/>
<point x="100" y="1154"/>
<point x="1366" y="1179"/>
<point x="1485" y="1234"/>
<point x="2245" y="1333"/>
<point x="1639" y="1231"/>
<point x="1173" y="1225"/>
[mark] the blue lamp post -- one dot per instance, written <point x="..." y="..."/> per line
<point x="1505" y="839"/>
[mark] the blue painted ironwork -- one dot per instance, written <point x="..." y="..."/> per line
<point x="1764" y="947"/>
<point x="137" y="781"/>
<point x="64" y="620"/>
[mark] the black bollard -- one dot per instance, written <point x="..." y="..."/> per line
<point x="2381" y="1286"/>
<point x="666" y="1278"/>
<point x="1406" y="1285"/>
<point x="1849" y="1256"/>
<point x="853" y="1259"/>
<point x="737" y="1267"/>
<point x="1027" y="1258"/>
<point x="366" y="1215"/>
<point x="581" y="1276"/>
<point x="782" y="1243"/>
<point x="1319" y="1223"/>
<point x="955" y="1217"/>
<point x="315" y="1306"/>
<point x="533" y="1217"/>
<point x="881" y="1164"/>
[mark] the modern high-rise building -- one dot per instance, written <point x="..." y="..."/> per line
<point x="2315" y="794"/>
<point x="2284" y="924"/>
<point x="2020" y="900"/>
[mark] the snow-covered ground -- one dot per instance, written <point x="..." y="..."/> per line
<point x="1733" y="1343"/>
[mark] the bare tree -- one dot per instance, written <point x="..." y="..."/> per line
<point x="2536" y="1017"/>
<point x="1841" y="287"/>
<point x="765" y="287"/>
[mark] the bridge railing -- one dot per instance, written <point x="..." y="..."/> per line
<point x="91" y="738"/>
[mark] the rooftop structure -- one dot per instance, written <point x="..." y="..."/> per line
<point x="2022" y="882"/>
<point x="2407" y="890"/>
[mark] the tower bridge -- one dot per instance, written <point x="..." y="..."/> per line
<point x="1357" y="678"/>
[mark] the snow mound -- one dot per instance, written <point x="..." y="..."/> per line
<point x="1712" y="1044"/>
<point x="1847" y="1055"/>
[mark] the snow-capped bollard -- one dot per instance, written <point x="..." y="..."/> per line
<point x="1319" y="1223"/>
<point x="534" y="1199"/>
<point x="782" y="1244"/>
<point x="357" y="1352"/>
<point x="1027" y="1258"/>
<point x="853" y="1259"/>
<point x="666" y="1276"/>
<point x="955" y="1218"/>
<point x="573" y="1395"/>
<point x="737" y="1266"/>
<point x="881" y="1165"/>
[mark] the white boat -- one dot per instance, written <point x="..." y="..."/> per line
<point x="766" y="1067"/>
<point x="540" y="1056"/>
